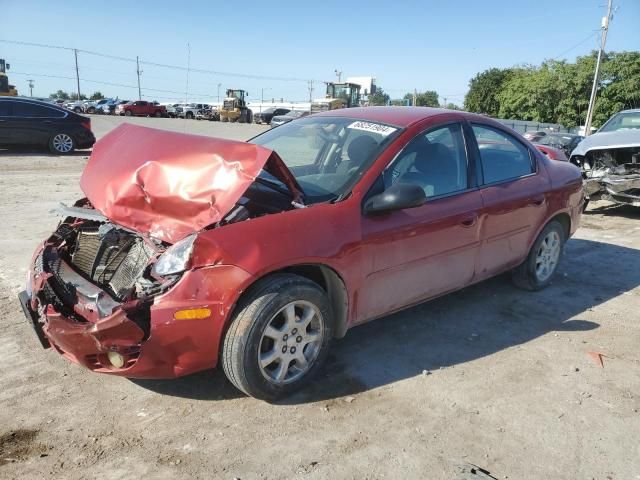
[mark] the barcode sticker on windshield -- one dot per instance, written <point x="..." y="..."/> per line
<point x="383" y="130"/>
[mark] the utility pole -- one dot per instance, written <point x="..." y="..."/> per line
<point x="138" y="72"/>
<point x="445" y="102"/>
<point x="415" y="97"/>
<point x="219" y="85"/>
<point x="594" y="89"/>
<point x="30" y="87"/>
<point x="311" y="90"/>
<point x="75" y="52"/>
<point x="338" y="74"/>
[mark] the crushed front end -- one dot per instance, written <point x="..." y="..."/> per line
<point x="612" y="174"/>
<point x="93" y="296"/>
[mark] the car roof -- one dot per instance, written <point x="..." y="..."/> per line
<point x="398" y="116"/>
<point x="35" y="102"/>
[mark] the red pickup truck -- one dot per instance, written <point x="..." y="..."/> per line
<point x="141" y="108"/>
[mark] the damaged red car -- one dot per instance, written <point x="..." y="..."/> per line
<point x="189" y="252"/>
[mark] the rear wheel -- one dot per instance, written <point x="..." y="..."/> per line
<point x="278" y="338"/>
<point x="91" y="110"/>
<point x="157" y="114"/>
<point x="61" y="144"/>
<point x="189" y="115"/>
<point x="77" y="109"/>
<point x="541" y="265"/>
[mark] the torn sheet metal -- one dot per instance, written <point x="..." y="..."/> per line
<point x="79" y="212"/>
<point x="169" y="184"/>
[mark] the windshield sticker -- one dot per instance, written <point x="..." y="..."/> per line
<point x="383" y="130"/>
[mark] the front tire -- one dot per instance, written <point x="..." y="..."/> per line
<point x="61" y="144"/>
<point x="127" y="113"/>
<point x="541" y="265"/>
<point x="279" y="337"/>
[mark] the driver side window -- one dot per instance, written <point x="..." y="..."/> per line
<point x="436" y="161"/>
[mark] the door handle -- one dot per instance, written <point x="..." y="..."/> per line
<point x="469" y="221"/>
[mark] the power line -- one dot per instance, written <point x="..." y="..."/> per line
<point x="161" y="65"/>
<point x="591" y="35"/>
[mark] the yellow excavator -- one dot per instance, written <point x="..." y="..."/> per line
<point x="6" y="90"/>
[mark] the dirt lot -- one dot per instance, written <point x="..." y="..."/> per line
<point x="491" y="375"/>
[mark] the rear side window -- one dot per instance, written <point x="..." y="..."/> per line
<point x="501" y="155"/>
<point x="29" y="110"/>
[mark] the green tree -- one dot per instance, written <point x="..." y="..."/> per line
<point x="60" y="95"/>
<point x="451" y="106"/>
<point x="484" y="88"/>
<point x="378" y="98"/>
<point x="74" y="96"/>
<point x="424" y="99"/>
<point x="96" y="96"/>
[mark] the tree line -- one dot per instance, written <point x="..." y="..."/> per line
<point x="558" y="91"/>
<point x="553" y="92"/>
<point x="62" y="95"/>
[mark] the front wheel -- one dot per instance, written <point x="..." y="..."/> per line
<point x="158" y="114"/>
<point x="127" y="113"/>
<point x="541" y="265"/>
<point x="61" y="144"/>
<point x="278" y="338"/>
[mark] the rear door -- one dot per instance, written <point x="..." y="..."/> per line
<point x="34" y="124"/>
<point x="513" y="194"/>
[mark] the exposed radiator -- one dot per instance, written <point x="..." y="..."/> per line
<point x="112" y="259"/>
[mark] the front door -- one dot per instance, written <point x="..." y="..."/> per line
<point x="419" y="253"/>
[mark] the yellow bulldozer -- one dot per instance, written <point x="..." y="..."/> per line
<point x="6" y="90"/>
<point x="339" y="95"/>
<point x="234" y="108"/>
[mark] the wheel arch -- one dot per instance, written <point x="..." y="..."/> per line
<point x="324" y="276"/>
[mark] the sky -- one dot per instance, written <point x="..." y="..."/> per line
<point x="271" y="49"/>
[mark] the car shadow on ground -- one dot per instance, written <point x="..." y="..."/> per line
<point x="33" y="152"/>
<point x="457" y="328"/>
<point x="614" y="210"/>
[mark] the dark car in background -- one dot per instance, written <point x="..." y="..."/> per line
<point x="534" y="136"/>
<point x="282" y="119"/>
<point x="566" y="142"/>
<point x="26" y="122"/>
<point x="268" y="113"/>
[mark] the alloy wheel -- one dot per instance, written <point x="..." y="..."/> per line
<point x="62" y="143"/>
<point x="291" y="342"/>
<point x="548" y="256"/>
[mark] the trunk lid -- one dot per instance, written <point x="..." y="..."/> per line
<point x="169" y="184"/>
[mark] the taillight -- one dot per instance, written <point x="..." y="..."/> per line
<point x="86" y="124"/>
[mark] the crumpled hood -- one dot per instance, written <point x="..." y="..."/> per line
<point x="603" y="140"/>
<point x="169" y="184"/>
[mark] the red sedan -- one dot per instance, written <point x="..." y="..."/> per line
<point x="191" y="251"/>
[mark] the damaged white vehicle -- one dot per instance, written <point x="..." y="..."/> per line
<point x="610" y="160"/>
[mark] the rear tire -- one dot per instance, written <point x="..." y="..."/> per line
<point x="541" y="265"/>
<point x="158" y="114"/>
<point x="278" y="338"/>
<point x="77" y="110"/>
<point x="61" y="144"/>
<point x="189" y="115"/>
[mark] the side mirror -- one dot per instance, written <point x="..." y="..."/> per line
<point x="396" y="197"/>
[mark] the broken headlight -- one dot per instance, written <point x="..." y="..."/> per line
<point x="176" y="258"/>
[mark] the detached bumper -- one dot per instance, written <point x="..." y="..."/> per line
<point x="623" y="189"/>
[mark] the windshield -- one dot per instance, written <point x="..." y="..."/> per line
<point x="327" y="155"/>
<point x="622" y="121"/>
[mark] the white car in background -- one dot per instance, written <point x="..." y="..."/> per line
<point x="610" y="160"/>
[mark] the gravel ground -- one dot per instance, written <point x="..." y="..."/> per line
<point x="490" y="375"/>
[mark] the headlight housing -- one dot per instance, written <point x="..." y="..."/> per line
<point x="176" y="258"/>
